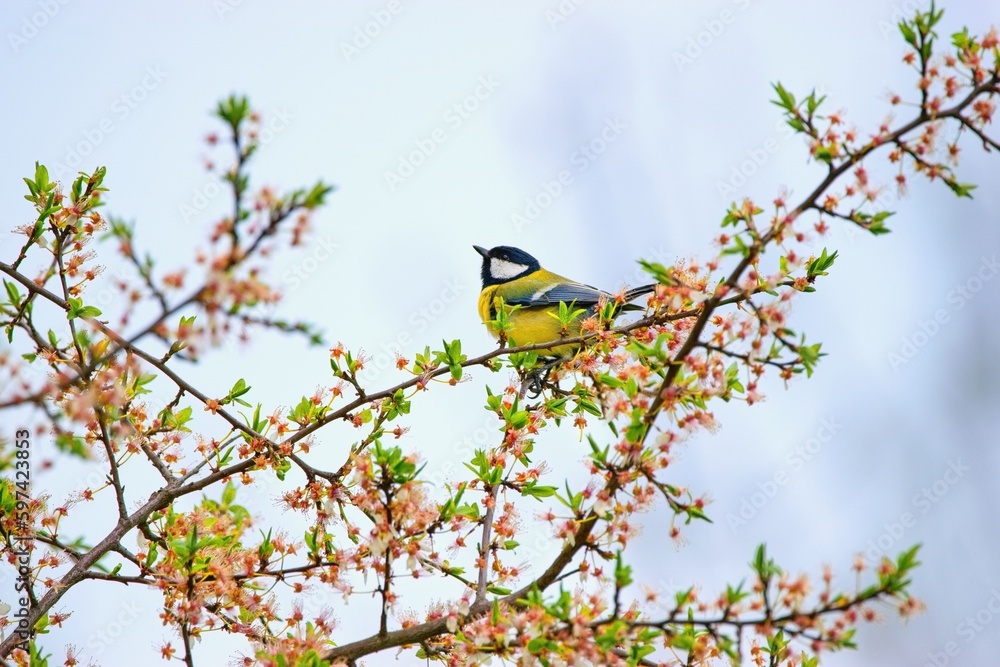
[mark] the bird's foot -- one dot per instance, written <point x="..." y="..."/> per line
<point x="535" y="380"/>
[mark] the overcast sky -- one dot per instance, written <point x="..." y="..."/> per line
<point x="449" y="124"/>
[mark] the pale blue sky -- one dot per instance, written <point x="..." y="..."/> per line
<point x="392" y="263"/>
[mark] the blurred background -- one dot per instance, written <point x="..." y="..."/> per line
<point x="446" y="125"/>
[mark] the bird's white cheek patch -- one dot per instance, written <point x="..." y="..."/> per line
<point x="503" y="270"/>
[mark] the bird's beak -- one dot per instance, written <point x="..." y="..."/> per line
<point x="482" y="251"/>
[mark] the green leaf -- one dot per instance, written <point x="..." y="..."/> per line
<point x="77" y="309"/>
<point x="234" y="110"/>
<point x="785" y="99"/>
<point x="12" y="293"/>
<point x="228" y="494"/>
<point x="657" y="270"/>
<point x="813" y="102"/>
<point x="908" y="559"/>
<point x="810" y="355"/>
<point x="961" y="40"/>
<point x="876" y="223"/>
<point x="961" y="189"/>
<point x="471" y="511"/>
<point x="764" y="566"/>
<point x="239" y="389"/>
<point x="41" y="177"/>
<point x="623" y="572"/>
<point x="536" y="490"/>
<point x="819" y="266"/>
<point x="908" y="33"/>
<point x="317" y="196"/>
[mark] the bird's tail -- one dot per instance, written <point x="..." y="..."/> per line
<point x="635" y="293"/>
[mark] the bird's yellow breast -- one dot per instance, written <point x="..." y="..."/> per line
<point x="528" y="326"/>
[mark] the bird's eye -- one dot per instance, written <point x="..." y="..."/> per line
<point x="504" y="257"/>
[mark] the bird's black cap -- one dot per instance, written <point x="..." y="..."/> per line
<point x="504" y="253"/>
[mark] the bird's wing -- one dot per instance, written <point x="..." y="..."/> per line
<point x="568" y="292"/>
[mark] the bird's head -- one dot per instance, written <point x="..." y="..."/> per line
<point x="504" y="263"/>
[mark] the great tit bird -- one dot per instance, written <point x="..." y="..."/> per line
<point x="519" y="280"/>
